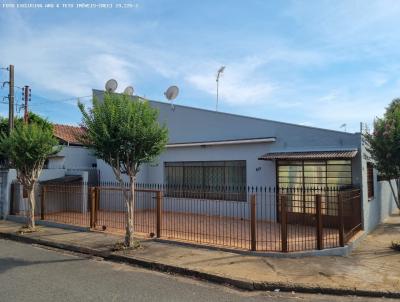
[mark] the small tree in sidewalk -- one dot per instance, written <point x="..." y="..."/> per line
<point x="124" y="133"/>
<point x="384" y="147"/>
<point x="27" y="148"/>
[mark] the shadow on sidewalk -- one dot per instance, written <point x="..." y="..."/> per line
<point x="11" y="263"/>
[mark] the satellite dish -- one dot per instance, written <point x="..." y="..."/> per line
<point x="111" y="85"/>
<point x="129" y="90"/>
<point x="171" y="94"/>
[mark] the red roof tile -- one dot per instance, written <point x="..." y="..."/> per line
<point x="68" y="134"/>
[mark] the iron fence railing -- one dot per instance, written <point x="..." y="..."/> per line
<point x="267" y="219"/>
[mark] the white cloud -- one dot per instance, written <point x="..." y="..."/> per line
<point x="297" y="79"/>
<point x="70" y="60"/>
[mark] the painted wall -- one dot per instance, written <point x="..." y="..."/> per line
<point x="107" y="174"/>
<point x="249" y="152"/>
<point x="188" y="124"/>
<point x="56" y="162"/>
<point x="384" y="194"/>
<point x="378" y="208"/>
<point x="69" y="197"/>
<point x="77" y="157"/>
<point x="74" y="157"/>
<point x="6" y="178"/>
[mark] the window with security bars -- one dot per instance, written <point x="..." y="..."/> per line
<point x="370" y="180"/>
<point x="224" y="180"/>
<point x="314" y="175"/>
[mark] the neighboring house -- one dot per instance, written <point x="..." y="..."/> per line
<point x="73" y="158"/>
<point x="72" y="155"/>
<point x="215" y="148"/>
<point x="73" y="165"/>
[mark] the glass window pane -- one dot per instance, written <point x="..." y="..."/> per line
<point x="339" y="168"/>
<point x="207" y="179"/>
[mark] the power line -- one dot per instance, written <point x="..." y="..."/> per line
<point x="54" y="101"/>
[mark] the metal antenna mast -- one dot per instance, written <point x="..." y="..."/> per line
<point x="220" y="71"/>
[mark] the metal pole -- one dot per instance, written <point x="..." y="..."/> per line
<point x="284" y="223"/>
<point x="320" y="238"/>
<point x="11" y="100"/>
<point x="341" y="219"/>
<point x="159" y="214"/>
<point x="216" y="106"/>
<point x="221" y="70"/>
<point x="26" y="97"/>
<point x="92" y="207"/>
<point x="253" y="221"/>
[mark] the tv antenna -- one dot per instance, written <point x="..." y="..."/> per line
<point x="171" y="94"/>
<point x="219" y="72"/>
<point x="111" y="85"/>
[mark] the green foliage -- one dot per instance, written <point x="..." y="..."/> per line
<point x="123" y="132"/>
<point x="27" y="148"/>
<point x="384" y="143"/>
<point x="33" y="118"/>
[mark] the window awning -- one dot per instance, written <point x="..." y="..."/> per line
<point x="311" y="155"/>
<point x="224" y="142"/>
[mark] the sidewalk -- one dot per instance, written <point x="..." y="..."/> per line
<point x="373" y="269"/>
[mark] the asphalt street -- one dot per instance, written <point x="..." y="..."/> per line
<point x="35" y="273"/>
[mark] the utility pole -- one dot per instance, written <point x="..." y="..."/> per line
<point x="27" y="96"/>
<point x="11" y="100"/>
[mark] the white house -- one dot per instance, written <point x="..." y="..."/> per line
<point x="215" y="148"/>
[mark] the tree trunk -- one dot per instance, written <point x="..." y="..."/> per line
<point x="31" y="205"/>
<point x="396" y="195"/>
<point x="130" y="205"/>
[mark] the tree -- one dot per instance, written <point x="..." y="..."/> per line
<point x="27" y="149"/>
<point x="384" y="146"/>
<point x="124" y="133"/>
<point x="33" y="118"/>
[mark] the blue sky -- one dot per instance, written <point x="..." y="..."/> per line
<point x="317" y="63"/>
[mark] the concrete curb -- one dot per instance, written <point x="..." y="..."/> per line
<point x="336" y="251"/>
<point x="237" y="283"/>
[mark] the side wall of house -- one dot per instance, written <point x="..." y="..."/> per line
<point x="382" y="204"/>
<point x="384" y="193"/>
<point x="77" y="157"/>
<point x="6" y="178"/>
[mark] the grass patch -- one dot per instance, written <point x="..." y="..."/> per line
<point x="120" y="246"/>
<point x="27" y="230"/>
